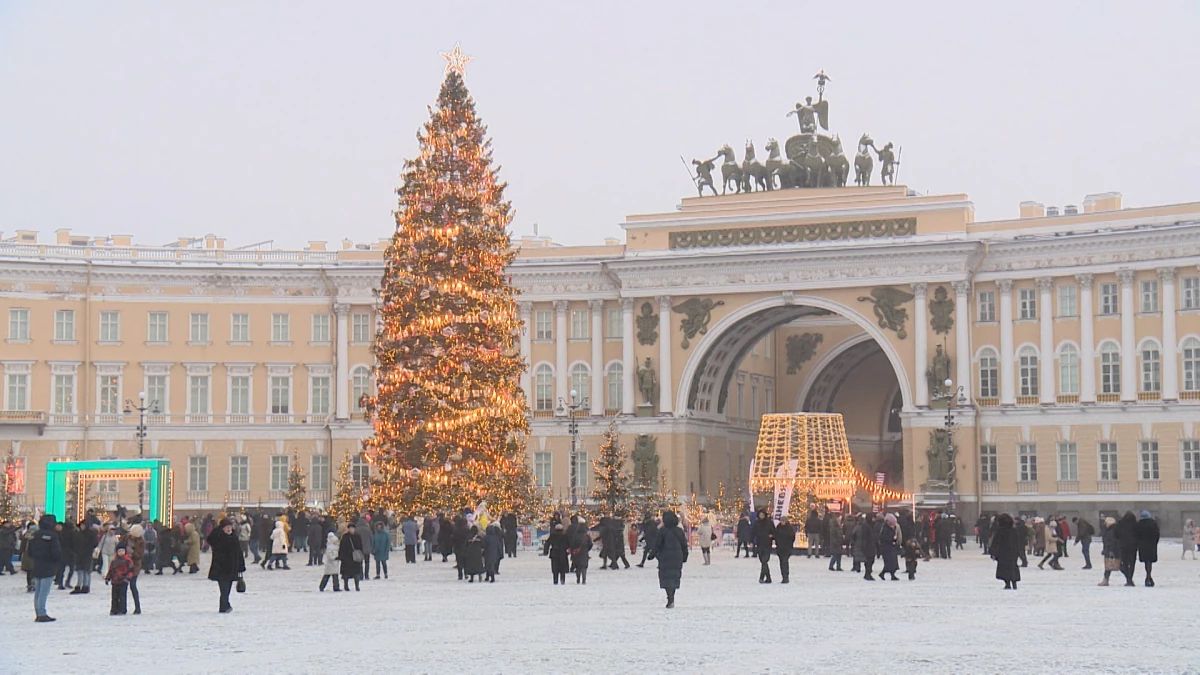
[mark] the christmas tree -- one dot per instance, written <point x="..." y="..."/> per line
<point x="449" y="413"/>
<point x="297" y="493"/>
<point x="8" y="488"/>
<point x="612" y="480"/>
<point x="347" y="497"/>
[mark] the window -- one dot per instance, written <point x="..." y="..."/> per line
<point x="543" y="387"/>
<point x="360" y="386"/>
<point x="579" y="324"/>
<point x="989" y="371"/>
<point x="1027" y="304"/>
<point x="754" y="400"/>
<point x="18" y="392"/>
<point x="199" y="328"/>
<point x="319" y="396"/>
<point x="281" y="327"/>
<point x="1149" y="296"/>
<point x="1068" y="369"/>
<point x="542" y="469"/>
<point x="156" y="327"/>
<point x="543" y="320"/>
<point x="156" y="392"/>
<point x="581" y="381"/>
<point x="1109" y="303"/>
<point x="360" y="471"/>
<point x="741" y="399"/>
<point x="64" y="394"/>
<point x="1068" y="461"/>
<point x="361" y="328"/>
<point x="988" y="464"/>
<point x="1068" y="304"/>
<point x="1110" y="369"/>
<point x="318" y="476"/>
<point x="108" y="396"/>
<point x="197" y="474"/>
<point x="239" y="473"/>
<point x="583" y="472"/>
<point x="1108" y="461"/>
<point x="615" y="322"/>
<point x="239" y="328"/>
<point x="1191" y="292"/>
<point x="320" y="328"/>
<point x="279" y="473"/>
<point x="987" y="305"/>
<point x="281" y="394"/>
<point x="616" y="386"/>
<point x="1149" y="456"/>
<point x="1151" y="367"/>
<point x="17" y="486"/>
<point x="64" y="325"/>
<point x="1027" y="461"/>
<point x="1191" y="460"/>
<point x="769" y="406"/>
<point x="18" y="324"/>
<point x="110" y="326"/>
<point x="1028" y="360"/>
<point x="1191" y="364"/>
<point x="239" y="395"/>
<point x="198" y="395"/>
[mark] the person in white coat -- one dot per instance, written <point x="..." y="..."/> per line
<point x="333" y="566"/>
<point x="705" y="534"/>
<point x="1189" y="538"/>
<point x="279" y="546"/>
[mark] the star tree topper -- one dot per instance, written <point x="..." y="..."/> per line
<point x="456" y="61"/>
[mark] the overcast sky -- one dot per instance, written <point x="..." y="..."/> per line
<point x="290" y="120"/>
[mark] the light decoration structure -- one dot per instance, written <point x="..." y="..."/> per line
<point x="158" y="471"/>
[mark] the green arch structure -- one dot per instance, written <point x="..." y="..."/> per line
<point x="158" y="471"/>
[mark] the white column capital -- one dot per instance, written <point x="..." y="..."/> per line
<point x="919" y="288"/>
<point x="1045" y="284"/>
<point x="561" y="306"/>
<point x="664" y="303"/>
<point x="526" y="309"/>
<point x="1085" y="279"/>
<point x="627" y="304"/>
<point x="962" y="287"/>
<point x="1126" y="278"/>
<point x="341" y="309"/>
<point x="1005" y="286"/>
<point x="1167" y="274"/>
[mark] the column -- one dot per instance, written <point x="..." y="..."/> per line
<point x="921" y="340"/>
<point x="628" y="360"/>
<point x="1170" y="366"/>
<point x="962" y="339"/>
<point x="1087" y="339"/>
<point x="1007" y="373"/>
<point x="342" y="405"/>
<point x="1046" y="346"/>
<point x="526" y="343"/>
<point x="598" y="375"/>
<point x="562" y="388"/>
<point x="1129" y="363"/>
<point x="664" y="355"/>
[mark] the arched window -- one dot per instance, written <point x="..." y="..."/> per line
<point x="581" y="381"/>
<point x="1191" y="364"/>
<point x="1027" y="359"/>
<point x="1110" y="368"/>
<point x="1151" y="367"/>
<point x="543" y="387"/>
<point x="616" y="386"/>
<point x="360" y="386"/>
<point x="1068" y="369"/>
<point x="989" y="386"/>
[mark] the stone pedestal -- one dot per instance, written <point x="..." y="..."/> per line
<point x="644" y="410"/>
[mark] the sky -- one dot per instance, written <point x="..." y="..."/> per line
<point x="290" y="121"/>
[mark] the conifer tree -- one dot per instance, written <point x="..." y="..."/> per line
<point x="347" y="497"/>
<point x="297" y="493"/>
<point x="8" y="487"/>
<point x="612" y="479"/>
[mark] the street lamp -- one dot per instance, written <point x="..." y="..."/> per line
<point x="573" y="428"/>
<point x="951" y="396"/>
<point x="140" y="433"/>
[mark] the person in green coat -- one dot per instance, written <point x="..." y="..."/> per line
<point x="381" y="546"/>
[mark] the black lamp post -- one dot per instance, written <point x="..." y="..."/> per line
<point x="140" y="433"/>
<point x="569" y="409"/>
<point x="951" y="396"/>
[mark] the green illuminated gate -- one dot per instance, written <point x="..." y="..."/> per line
<point x="157" y="471"/>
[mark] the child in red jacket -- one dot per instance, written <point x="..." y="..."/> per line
<point x="119" y="572"/>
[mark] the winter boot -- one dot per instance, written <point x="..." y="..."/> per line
<point x="1103" y="582"/>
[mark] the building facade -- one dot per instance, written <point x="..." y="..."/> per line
<point x="1074" y="335"/>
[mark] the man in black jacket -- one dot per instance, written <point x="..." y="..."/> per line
<point x="764" y="534"/>
<point x="46" y="551"/>
<point x="1083" y="536"/>
<point x="785" y="539"/>
<point x="812" y="530"/>
<point x="649" y="534"/>
<point x="508" y="523"/>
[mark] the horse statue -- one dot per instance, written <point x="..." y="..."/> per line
<point x="863" y="163"/>
<point x="730" y="171"/>
<point x="814" y="166"/>
<point x="754" y="173"/>
<point x="838" y="165"/>
<point x="774" y="163"/>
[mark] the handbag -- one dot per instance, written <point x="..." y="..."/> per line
<point x="357" y="555"/>
<point x="241" y="585"/>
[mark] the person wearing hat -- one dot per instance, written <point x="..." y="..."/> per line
<point x="352" y="555"/>
<point x="135" y="548"/>
<point x="671" y="551"/>
<point x="1110" y="549"/>
<point x="46" y="554"/>
<point x="557" y="548"/>
<point x="120" y="571"/>
<point x="227" y="563"/>
<point x="1147" y="544"/>
<point x="332" y="565"/>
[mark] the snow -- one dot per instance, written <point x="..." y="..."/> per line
<point x="953" y="618"/>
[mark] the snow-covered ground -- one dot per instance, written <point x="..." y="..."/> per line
<point x="953" y="618"/>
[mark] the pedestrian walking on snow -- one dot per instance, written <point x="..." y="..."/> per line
<point x="46" y="554"/>
<point x="706" y="537"/>
<point x="332" y="567"/>
<point x="120" y="571"/>
<point x="381" y="549"/>
<point x="1147" y="543"/>
<point x="411" y="535"/>
<point x="1189" y="539"/>
<point x="1003" y="548"/>
<point x="556" y="547"/>
<point x="785" y="541"/>
<point x="670" y="549"/>
<point x="1110" y="549"/>
<point x="764" y="536"/>
<point x="493" y="551"/>
<point x="352" y="556"/>
<point x="889" y="546"/>
<point x="227" y="563"/>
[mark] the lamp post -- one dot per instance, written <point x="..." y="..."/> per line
<point x="140" y="433"/>
<point x="951" y="396"/>
<point x="569" y="410"/>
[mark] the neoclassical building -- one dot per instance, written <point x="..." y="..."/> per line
<point x="1074" y="336"/>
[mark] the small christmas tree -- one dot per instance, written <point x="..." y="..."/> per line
<point x="297" y="493"/>
<point x="8" y="488"/>
<point x="612" y="480"/>
<point x="347" y="498"/>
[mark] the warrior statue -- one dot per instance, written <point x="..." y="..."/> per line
<point x="647" y="382"/>
<point x="810" y="114"/>
<point x="888" y="161"/>
<point x="704" y="177"/>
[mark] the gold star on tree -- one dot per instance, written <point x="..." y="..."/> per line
<point x="456" y="61"/>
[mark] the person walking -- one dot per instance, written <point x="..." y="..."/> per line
<point x="868" y="544"/>
<point x="1005" y="548"/>
<point x="508" y="523"/>
<point x="493" y="551"/>
<point x="428" y="536"/>
<point x="556" y="547"/>
<point x="812" y="530"/>
<point x="744" y="536"/>
<point x="1127" y="543"/>
<point x="580" y="547"/>
<point x="46" y="555"/>
<point x="649" y="530"/>
<point x="1189" y="539"/>
<point x="314" y="538"/>
<point x="381" y="549"/>
<point x="192" y="542"/>
<point x="764" y="535"/>
<point x="8" y="545"/>
<point x="1147" y="544"/>
<point x="616" y="543"/>
<point x="332" y="565"/>
<point x="836" y="543"/>
<point x="227" y="564"/>
<point x="1110" y="549"/>
<point x="135" y="549"/>
<point x="671" y="551"/>
<point x="889" y="546"/>
<point x="1052" y="549"/>
<point x="108" y="547"/>
<point x="351" y="555"/>
<point x="266" y="527"/>
<point x="1083" y="536"/>
<point x="411" y="533"/>
<point x="785" y="542"/>
<point x="705" y="534"/>
<point x="1023" y="534"/>
<point x="445" y="537"/>
<point x="120" y="571"/>
<point x="83" y="547"/>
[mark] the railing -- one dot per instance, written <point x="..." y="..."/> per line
<point x="543" y="414"/>
<point x="239" y="497"/>
<point x="206" y="255"/>
<point x="358" y="416"/>
<point x="612" y="412"/>
<point x="991" y="488"/>
<point x="1027" y="400"/>
<point x="197" y="419"/>
<point x="1189" y="396"/>
<point x="1108" y="398"/>
<point x="108" y="498"/>
<point x="1027" y="487"/>
<point x="1188" y="485"/>
<point x="1067" y="398"/>
<point x="987" y="402"/>
<point x="1108" y="487"/>
<point x="105" y="419"/>
<point x="197" y="496"/>
<point x="63" y="418"/>
<point x="1152" y="487"/>
<point x="316" y="418"/>
<point x="278" y="496"/>
<point x="239" y="419"/>
<point x="1149" y="396"/>
<point x="109" y="418"/>
<point x="318" y="496"/>
<point x="22" y="417"/>
<point x="1068" y="486"/>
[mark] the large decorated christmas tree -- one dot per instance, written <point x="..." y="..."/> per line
<point x="449" y="413"/>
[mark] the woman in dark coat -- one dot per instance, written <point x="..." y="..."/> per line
<point x="1127" y="540"/>
<point x="227" y="562"/>
<point x="764" y="535"/>
<point x="166" y="550"/>
<point x="1005" y="551"/>
<point x="670" y="548"/>
<point x="473" y="550"/>
<point x="351" y="568"/>
<point x="1147" y="544"/>
<point x="556" y="547"/>
<point x="889" y="546"/>
<point x="493" y="551"/>
<point x="445" y="537"/>
<point x="866" y="542"/>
